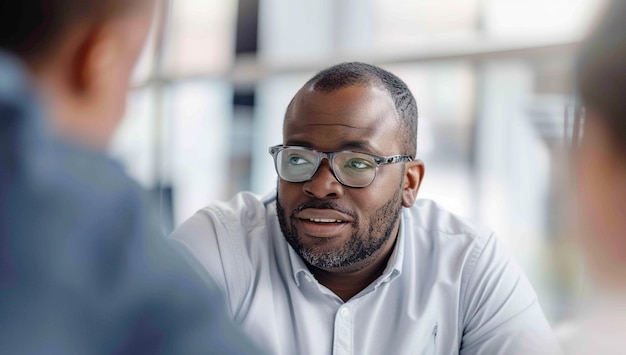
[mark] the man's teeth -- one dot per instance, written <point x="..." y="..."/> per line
<point x="325" y="220"/>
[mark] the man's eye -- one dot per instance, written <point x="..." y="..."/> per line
<point x="297" y="160"/>
<point x="359" y="164"/>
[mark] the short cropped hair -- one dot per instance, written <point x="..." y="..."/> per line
<point x="602" y="72"/>
<point x="355" y="73"/>
<point x="31" y="28"/>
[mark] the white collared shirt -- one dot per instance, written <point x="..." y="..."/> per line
<point x="449" y="288"/>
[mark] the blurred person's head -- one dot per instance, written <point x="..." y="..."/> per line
<point x="601" y="165"/>
<point x="341" y="212"/>
<point x="80" y="54"/>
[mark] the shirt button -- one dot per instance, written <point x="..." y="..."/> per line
<point x="345" y="313"/>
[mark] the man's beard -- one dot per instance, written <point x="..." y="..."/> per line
<point x="361" y="245"/>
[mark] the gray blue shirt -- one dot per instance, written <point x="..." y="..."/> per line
<point x="84" y="268"/>
<point x="450" y="287"/>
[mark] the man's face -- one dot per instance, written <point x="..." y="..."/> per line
<point x="332" y="226"/>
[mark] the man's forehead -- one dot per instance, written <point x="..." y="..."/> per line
<point x="348" y="100"/>
<point x="331" y="120"/>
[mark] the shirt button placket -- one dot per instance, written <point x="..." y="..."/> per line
<point x="344" y="325"/>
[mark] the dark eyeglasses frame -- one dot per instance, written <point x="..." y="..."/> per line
<point x="378" y="160"/>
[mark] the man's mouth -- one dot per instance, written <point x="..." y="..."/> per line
<point x="323" y="223"/>
<point x="326" y="220"/>
<point x="319" y="215"/>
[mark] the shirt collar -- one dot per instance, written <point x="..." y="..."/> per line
<point x="298" y="266"/>
<point x="394" y="266"/>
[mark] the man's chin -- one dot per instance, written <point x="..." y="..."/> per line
<point x="317" y="255"/>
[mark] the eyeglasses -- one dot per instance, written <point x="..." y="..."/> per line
<point x="353" y="169"/>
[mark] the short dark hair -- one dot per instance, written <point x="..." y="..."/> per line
<point x="31" y="28"/>
<point x="355" y="73"/>
<point x="602" y="71"/>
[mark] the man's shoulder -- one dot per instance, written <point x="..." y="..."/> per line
<point x="434" y="220"/>
<point x="244" y="210"/>
<point x="243" y="207"/>
<point x="89" y="195"/>
<point x="97" y="173"/>
<point x="230" y="239"/>
<point x="89" y="184"/>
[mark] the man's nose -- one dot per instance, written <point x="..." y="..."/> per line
<point x="323" y="184"/>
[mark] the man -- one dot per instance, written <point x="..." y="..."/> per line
<point x="83" y="267"/>
<point x="342" y="259"/>
<point x="600" y="171"/>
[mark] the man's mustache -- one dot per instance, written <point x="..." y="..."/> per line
<point x="322" y="204"/>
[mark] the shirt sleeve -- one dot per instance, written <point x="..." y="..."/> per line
<point x="500" y="312"/>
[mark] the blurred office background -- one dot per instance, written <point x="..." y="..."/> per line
<point x="492" y="79"/>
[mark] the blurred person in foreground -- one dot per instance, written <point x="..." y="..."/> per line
<point x="84" y="268"/>
<point x="601" y="179"/>
<point x="342" y="258"/>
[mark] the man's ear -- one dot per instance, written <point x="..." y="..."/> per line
<point x="97" y="56"/>
<point x="413" y="175"/>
